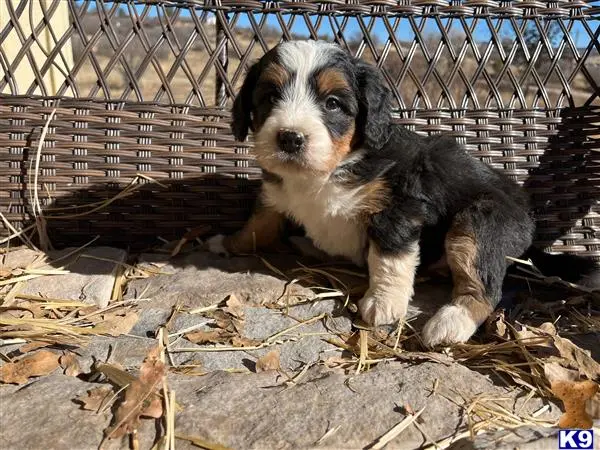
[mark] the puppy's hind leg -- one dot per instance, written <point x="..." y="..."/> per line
<point x="477" y="244"/>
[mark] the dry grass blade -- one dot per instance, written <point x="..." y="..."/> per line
<point x="42" y="329"/>
<point x="272" y="268"/>
<point x="202" y="443"/>
<point x="17" y="233"/>
<point x="203" y="309"/>
<point x="447" y="442"/>
<point x="31" y="276"/>
<point x="396" y="430"/>
<point x="364" y="349"/>
<point x="328" y="434"/>
<point x="334" y="281"/>
<point x="169" y="416"/>
<point x="190" y="329"/>
<point x="225" y="348"/>
<point x="293" y="327"/>
<point x="38" y="214"/>
<point x="485" y="412"/>
<point x="126" y="192"/>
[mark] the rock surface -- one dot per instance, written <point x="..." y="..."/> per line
<point x="21" y="259"/>
<point x="202" y="279"/>
<point x="91" y="280"/>
<point x="259" y="411"/>
<point x="44" y="414"/>
<point x="231" y="404"/>
<point x="303" y="345"/>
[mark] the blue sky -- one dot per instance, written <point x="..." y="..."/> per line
<point x="404" y="31"/>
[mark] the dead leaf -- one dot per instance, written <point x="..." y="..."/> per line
<point x="115" y="373"/>
<point x="575" y="395"/>
<point x="581" y="359"/>
<point x="70" y="364"/>
<point x="154" y="408"/>
<point x="337" y="362"/>
<point x="555" y="372"/>
<point x="220" y="336"/>
<point x="592" y="407"/>
<point x="28" y="310"/>
<point x="235" y="307"/>
<point x="548" y="327"/>
<point x="227" y="322"/>
<point x="269" y="361"/>
<point x="41" y="363"/>
<point x="115" y="325"/>
<point x="222" y="320"/>
<point x="5" y="273"/>
<point x="241" y="341"/>
<point x="140" y="397"/>
<point x="496" y="326"/>
<point x="208" y="337"/>
<point x="96" y="399"/>
<point x="33" y="345"/>
<point x="534" y="337"/>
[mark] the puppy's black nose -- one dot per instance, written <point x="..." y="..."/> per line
<point x="290" y="141"/>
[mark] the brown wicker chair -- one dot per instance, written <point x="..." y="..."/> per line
<point x="138" y="147"/>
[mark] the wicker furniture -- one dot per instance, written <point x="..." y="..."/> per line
<point x="138" y="148"/>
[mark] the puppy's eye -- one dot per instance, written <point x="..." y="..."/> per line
<point x="272" y="99"/>
<point x="332" y="104"/>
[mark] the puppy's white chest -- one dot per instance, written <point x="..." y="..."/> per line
<point x="328" y="212"/>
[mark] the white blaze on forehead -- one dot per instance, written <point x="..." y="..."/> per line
<point x="302" y="59"/>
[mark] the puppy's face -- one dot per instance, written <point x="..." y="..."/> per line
<point x="310" y="105"/>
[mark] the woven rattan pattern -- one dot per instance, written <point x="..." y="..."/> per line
<point x="435" y="54"/>
<point x="528" y="107"/>
<point x="93" y="150"/>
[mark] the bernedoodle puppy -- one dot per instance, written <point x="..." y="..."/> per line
<point x="378" y="194"/>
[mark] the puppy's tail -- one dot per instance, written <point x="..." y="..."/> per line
<point x="574" y="269"/>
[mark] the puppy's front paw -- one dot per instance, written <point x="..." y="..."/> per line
<point x="381" y="309"/>
<point x="216" y="245"/>
<point x="450" y="325"/>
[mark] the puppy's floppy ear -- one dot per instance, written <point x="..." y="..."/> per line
<point x="375" y="105"/>
<point x="242" y="105"/>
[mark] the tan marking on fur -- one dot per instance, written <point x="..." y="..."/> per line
<point x="376" y="197"/>
<point x="341" y="147"/>
<point x="468" y="291"/>
<point x="275" y="74"/>
<point x="262" y="231"/>
<point x="331" y="80"/>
